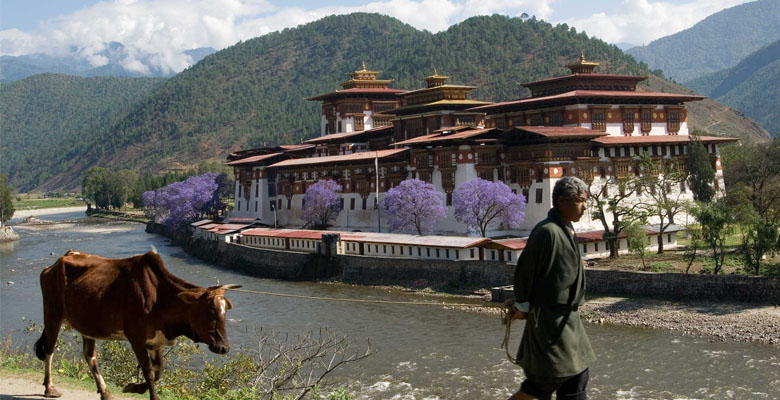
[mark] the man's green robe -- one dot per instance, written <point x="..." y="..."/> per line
<point x="550" y="276"/>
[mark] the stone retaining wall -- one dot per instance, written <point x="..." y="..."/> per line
<point x="754" y="289"/>
<point x="364" y="270"/>
<point x="7" y="234"/>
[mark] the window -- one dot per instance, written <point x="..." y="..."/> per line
<point x="584" y="248"/>
<point x="447" y="253"/>
<point x="646" y="122"/>
<point x="596" y="246"/>
<point x="457" y="254"/>
<point x="437" y="253"/>
<point x="352" y="203"/>
<point x="365" y="200"/>
<point x="419" y="252"/>
<point x="472" y="253"/>
<point x="556" y="119"/>
<point x="539" y="194"/>
<point x="449" y="199"/>
<point x="255" y="205"/>
<point x="673" y="122"/>
<point x="358" y="123"/>
<point x="599" y="121"/>
<point x="628" y="123"/>
<point x="428" y="251"/>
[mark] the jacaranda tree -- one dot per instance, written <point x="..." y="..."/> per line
<point x="321" y="204"/>
<point x="414" y="205"/>
<point x="480" y="203"/>
<point x="181" y="203"/>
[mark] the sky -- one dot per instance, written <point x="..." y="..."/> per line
<point x="157" y="32"/>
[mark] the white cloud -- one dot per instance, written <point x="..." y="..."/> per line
<point x="642" y="21"/>
<point x="155" y="33"/>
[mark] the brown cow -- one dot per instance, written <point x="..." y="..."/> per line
<point x="134" y="299"/>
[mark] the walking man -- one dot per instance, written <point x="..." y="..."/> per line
<point x="549" y="289"/>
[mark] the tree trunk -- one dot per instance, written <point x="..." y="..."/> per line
<point x="660" y="242"/>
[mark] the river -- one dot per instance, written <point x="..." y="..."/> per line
<point x="423" y="352"/>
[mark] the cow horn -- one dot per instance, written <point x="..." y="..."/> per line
<point x="231" y="286"/>
<point x="225" y="287"/>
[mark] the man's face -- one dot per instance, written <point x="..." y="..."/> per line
<point x="572" y="209"/>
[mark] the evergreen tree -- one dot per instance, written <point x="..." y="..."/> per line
<point x="700" y="172"/>
<point x="6" y="200"/>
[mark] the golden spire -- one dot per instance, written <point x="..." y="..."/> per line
<point x="435" y="79"/>
<point x="582" y="66"/>
<point x="364" y="66"/>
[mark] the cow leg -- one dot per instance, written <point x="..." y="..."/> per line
<point x="90" y="355"/>
<point x="44" y="347"/>
<point x="142" y="354"/>
<point x="156" y="356"/>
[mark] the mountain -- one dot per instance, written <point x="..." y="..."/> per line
<point x="13" y="68"/>
<point x="719" y="41"/>
<point x="253" y="93"/>
<point x="48" y="120"/>
<point x="750" y="86"/>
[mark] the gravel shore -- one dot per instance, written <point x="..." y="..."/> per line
<point x="740" y="322"/>
<point x="724" y="321"/>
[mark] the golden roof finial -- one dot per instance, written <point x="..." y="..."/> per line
<point x="364" y="66"/>
<point x="435" y="72"/>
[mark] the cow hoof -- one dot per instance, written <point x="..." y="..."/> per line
<point x="51" y="392"/>
<point x="138" y="388"/>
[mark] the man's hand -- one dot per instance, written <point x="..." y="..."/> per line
<point x="511" y="312"/>
<point x="514" y="313"/>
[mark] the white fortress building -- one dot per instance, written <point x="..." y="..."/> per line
<point x="584" y="124"/>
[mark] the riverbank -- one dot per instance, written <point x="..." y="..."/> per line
<point x="16" y="385"/>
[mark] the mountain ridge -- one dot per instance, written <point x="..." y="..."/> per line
<point x="252" y="93"/>
<point x="717" y="42"/>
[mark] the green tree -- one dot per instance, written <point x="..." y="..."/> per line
<point x="759" y="238"/>
<point x="715" y="221"/>
<point x="636" y="236"/>
<point x="96" y="186"/>
<point x="700" y="172"/>
<point x="6" y="200"/>
<point x="661" y="198"/>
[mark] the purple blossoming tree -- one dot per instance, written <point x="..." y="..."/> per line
<point x="181" y="203"/>
<point x="414" y="204"/>
<point x="480" y="203"/>
<point x="321" y="204"/>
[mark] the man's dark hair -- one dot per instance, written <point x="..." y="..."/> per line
<point x="569" y="187"/>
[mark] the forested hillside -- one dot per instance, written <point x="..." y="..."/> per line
<point x="719" y="41"/>
<point x="48" y="121"/>
<point x="253" y="93"/>
<point x="751" y="86"/>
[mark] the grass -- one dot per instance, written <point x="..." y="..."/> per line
<point x="38" y="203"/>
<point x="673" y="261"/>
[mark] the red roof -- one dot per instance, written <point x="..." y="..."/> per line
<point x="253" y="159"/>
<point x="357" y="91"/>
<point x="511" y="244"/>
<point x="342" y="135"/>
<point x="366" y="155"/>
<point x="437" y="137"/>
<point x="286" y="233"/>
<point x="565" y="132"/>
<point x="594" y="93"/>
<point x="658" y="139"/>
<point x="586" y="77"/>
<point x="201" y="222"/>
<point x="293" y="147"/>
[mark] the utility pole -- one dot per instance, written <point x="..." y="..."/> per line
<point x="376" y="200"/>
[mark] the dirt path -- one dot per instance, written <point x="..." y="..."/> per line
<point x="27" y="387"/>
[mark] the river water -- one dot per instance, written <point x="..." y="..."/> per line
<point x="423" y="352"/>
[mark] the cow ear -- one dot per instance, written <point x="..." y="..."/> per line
<point x="190" y="296"/>
<point x="228" y="304"/>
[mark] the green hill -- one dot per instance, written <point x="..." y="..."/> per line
<point x="750" y="86"/>
<point x="253" y="93"/>
<point x="48" y="121"/>
<point x="719" y="41"/>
